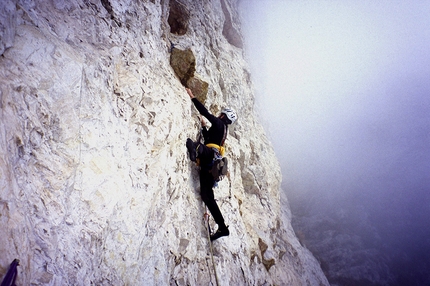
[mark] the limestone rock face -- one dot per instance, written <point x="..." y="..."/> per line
<point x="95" y="183"/>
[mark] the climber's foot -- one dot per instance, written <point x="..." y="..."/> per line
<point x="220" y="232"/>
<point x="191" y="149"/>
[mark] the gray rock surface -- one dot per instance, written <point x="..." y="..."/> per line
<point x="95" y="183"/>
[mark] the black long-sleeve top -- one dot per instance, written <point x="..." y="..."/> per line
<point x="215" y="134"/>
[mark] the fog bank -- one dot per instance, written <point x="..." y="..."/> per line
<point x="343" y="90"/>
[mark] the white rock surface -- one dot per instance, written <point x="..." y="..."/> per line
<point x="95" y="184"/>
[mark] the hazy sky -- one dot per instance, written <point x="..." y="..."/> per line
<point x="343" y="88"/>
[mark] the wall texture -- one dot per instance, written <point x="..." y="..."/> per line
<point x="95" y="183"/>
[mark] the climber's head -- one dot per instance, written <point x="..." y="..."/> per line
<point x="229" y="115"/>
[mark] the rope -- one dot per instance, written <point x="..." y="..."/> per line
<point x="206" y="215"/>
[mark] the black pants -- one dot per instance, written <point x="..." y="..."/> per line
<point x="207" y="182"/>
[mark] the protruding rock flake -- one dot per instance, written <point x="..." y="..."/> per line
<point x="178" y="17"/>
<point x="96" y="187"/>
<point x="183" y="63"/>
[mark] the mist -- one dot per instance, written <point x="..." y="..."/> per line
<point x="343" y="90"/>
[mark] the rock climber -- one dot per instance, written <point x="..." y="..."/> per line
<point x="214" y="137"/>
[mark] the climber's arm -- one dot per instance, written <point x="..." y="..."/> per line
<point x="200" y="107"/>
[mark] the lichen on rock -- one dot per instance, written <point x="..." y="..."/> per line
<point x="183" y="63"/>
<point x="199" y="88"/>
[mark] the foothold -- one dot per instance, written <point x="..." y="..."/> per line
<point x="263" y="248"/>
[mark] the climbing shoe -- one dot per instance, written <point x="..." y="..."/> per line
<point x="219" y="233"/>
<point x="191" y="146"/>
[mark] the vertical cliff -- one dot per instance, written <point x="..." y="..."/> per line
<point x="95" y="183"/>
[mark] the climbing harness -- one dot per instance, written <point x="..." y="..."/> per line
<point x="218" y="149"/>
<point x="206" y="217"/>
<point x="218" y="167"/>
